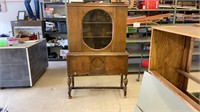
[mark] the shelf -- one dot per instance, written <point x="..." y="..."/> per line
<point x="160" y="10"/>
<point x="166" y="6"/>
<point x="196" y="51"/>
<point x="27" y="27"/>
<point x="53" y="3"/>
<point x="187" y="9"/>
<point x="149" y="32"/>
<point x="137" y="53"/>
<point x="195" y="66"/>
<point x="97" y="37"/>
<point x="141" y="10"/>
<point x="97" y="22"/>
<point x="138" y="40"/>
<point x="197" y="40"/>
<point x="55" y="19"/>
<point x="51" y="32"/>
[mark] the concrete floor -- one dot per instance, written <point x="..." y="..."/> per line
<point x="49" y="94"/>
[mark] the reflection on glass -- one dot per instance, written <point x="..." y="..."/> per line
<point x="97" y="29"/>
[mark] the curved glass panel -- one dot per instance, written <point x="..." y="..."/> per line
<point x="97" y="29"/>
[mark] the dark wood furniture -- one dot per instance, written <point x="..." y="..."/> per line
<point x="171" y="57"/>
<point x="97" y="41"/>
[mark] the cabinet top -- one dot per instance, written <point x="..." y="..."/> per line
<point x="95" y="4"/>
<point x="190" y="31"/>
<point x="24" y="45"/>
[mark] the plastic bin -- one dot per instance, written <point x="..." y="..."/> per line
<point x="62" y="27"/>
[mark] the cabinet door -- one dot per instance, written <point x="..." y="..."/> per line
<point x="80" y="65"/>
<point x="97" y="28"/>
<point x="116" y="64"/>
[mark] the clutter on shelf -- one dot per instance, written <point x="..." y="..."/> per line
<point x="25" y="36"/>
<point x="163" y="4"/>
<point x="59" y="41"/>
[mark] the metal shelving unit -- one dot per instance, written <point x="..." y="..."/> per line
<point x="59" y="7"/>
<point x="54" y="19"/>
<point x="141" y="38"/>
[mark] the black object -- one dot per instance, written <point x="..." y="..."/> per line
<point x="1" y="109"/>
<point x="62" y="27"/>
<point x="53" y="55"/>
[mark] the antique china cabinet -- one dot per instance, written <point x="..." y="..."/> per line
<point x="97" y="42"/>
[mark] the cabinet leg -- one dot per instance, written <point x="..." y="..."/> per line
<point x="72" y="81"/>
<point x="121" y="84"/>
<point x="69" y="86"/>
<point x="125" y="84"/>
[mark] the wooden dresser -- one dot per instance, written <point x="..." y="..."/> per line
<point x="97" y="41"/>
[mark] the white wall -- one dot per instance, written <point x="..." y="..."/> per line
<point x="10" y="15"/>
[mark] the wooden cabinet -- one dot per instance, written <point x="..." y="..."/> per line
<point x="97" y="41"/>
<point x="170" y="59"/>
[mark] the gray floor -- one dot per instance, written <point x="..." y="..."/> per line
<point x="49" y="94"/>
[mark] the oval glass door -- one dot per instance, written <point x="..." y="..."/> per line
<point x="97" y="29"/>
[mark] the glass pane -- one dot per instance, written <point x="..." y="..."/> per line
<point x="97" y="29"/>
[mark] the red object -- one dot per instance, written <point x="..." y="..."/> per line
<point x="13" y="39"/>
<point x="141" y="5"/>
<point x="145" y="63"/>
<point x="151" y="4"/>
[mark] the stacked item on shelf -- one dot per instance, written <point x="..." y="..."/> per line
<point x="57" y="42"/>
<point x="49" y="12"/>
<point x="148" y="19"/>
<point x="188" y="17"/>
<point x="50" y="26"/>
<point x="166" y="4"/>
<point x="25" y="35"/>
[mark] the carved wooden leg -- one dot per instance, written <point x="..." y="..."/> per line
<point x="125" y="84"/>
<point x="69" y="86"/>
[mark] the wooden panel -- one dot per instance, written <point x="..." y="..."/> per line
<point x="74" y="36"/>
<point x="190" y="31"/>
<point x="97" y="64"/>
<point x="166" y="56"/>
<point x="98" y="54"/>
<point x="107" y="9"/>
<point x="116" y="65"/>
<point x="96" y="4"/>
<point x="119" y="44"/>
<point x="187" y="59"/>
<point x="102" y="65"/>
<point x="78" y="64"/>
